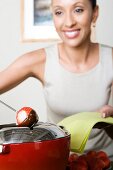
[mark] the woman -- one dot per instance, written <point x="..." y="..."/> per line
<point x="76" y="74"/>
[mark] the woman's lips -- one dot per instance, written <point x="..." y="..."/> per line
<point x="72" y="34"/>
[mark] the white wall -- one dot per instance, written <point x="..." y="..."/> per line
<point x="105" y="22"/>
<point x="30" y="93"/>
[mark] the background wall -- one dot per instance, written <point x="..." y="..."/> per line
<point x="105" y="22"/>
<point x="30" y="93"/>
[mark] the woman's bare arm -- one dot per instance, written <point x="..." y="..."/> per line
<point x="28" y="65"/>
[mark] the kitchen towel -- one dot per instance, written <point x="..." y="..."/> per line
<point x="80" y="126"/>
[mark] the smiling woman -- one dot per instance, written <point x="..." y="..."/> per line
<point x="76" y="73"/>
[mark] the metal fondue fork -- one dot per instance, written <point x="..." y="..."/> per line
<point x="11" y="108"/>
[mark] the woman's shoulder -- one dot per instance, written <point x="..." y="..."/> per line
<point x="33" y="61"/>
<point x="41" y="52"/>
<point x="105" y="46"/>
<point x="33" y="57"/>
<point x="106" y="52"/>
<point x="106" y="49"/>
<point x="38" y="56"/>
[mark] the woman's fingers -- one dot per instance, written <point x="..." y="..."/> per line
<point x="106" y="111"/>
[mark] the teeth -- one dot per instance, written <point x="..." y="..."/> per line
<point x="71" y="33"/>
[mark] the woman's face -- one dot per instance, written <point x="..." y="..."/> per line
<point x="72" y="20"/>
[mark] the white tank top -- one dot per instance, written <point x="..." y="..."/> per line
<point x="68" y="93"/>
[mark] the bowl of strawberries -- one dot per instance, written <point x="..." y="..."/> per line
<point x="92" y="160"/>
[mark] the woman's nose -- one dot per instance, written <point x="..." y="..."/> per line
<point x="69" y="20"/>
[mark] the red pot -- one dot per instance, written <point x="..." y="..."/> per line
<point x="47" y="154"/>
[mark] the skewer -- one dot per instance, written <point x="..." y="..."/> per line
<point x="11" y="108"/>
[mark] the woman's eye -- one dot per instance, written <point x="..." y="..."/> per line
<point x="79" y="10"/>
<point x="58" y="13"/>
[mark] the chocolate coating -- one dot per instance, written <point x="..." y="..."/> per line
<point x="31" y="120"/>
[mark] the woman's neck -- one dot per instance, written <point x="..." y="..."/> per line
<point x="77" y="59"/>
<point x="76" y="54"/>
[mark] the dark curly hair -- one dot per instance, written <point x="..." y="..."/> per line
<point x="93" y="2"/>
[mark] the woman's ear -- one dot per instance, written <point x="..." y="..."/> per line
<point x="93" y="24"/>
<point x="95" y="14"/>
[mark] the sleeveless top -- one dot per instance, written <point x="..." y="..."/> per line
<point x="68" y="93"/>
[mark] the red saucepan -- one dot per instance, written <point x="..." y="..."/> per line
<point x="44" y="147"/>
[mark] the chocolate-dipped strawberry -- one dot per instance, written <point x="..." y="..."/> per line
<point x="26" y="116"/>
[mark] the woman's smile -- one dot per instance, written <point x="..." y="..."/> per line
<point x="72" y="33"/>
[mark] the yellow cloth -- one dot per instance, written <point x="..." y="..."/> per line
<point x="80" y="126"/>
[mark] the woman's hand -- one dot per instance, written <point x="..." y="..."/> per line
<point x="106" y="111"/>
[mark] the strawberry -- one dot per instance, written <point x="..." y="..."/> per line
<point x="92" y="153"/>
<point x="78" y="162"/>
<point x="77" y="165"/>
<point x="91" y="162"/>
<point x="101" y="154"/>
<point x="82" y="159"/>
<point x="106" y="162"/>
<point x="99" y="164"/>
<point x="104" y="157"/>
<point x="72" y="157"/>
<point x="26" y="116"/>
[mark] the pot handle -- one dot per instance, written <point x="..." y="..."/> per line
<point x="4" y="149"/>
